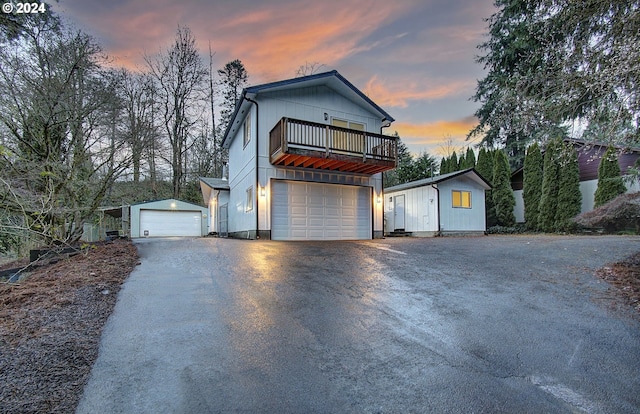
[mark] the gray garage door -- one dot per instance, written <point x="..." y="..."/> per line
<point x="164" y="223"/>
<point x="314" y="211"/>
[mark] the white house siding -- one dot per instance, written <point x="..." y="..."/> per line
<point x="217" y="199"/>
<point x="518" y="209"/>
<point x="420" y="210"/>
<point x="461" y="219"/>
<point x="242" y="176"/>
<point x="309" y="104"/>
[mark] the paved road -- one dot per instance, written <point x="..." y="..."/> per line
<point x="487" y="324"/>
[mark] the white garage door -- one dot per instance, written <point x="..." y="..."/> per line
<point x="162" y="223"/>
<point x="313" y="211"/>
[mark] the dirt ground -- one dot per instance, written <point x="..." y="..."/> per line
<point x="50" y="324"/>
<point x="625" y="276"/>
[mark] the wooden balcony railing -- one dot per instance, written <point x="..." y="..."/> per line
<point x="296" y="143"/>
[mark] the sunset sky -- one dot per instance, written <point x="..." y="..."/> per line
<point x="415" y="58"/>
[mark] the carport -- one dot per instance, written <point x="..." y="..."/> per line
<point x="167" y="218"/>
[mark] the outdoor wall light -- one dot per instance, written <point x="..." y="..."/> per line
<point x="379" y="200"/>
<point x="263" y="191"/>
<point x="173" y="205"/>
<point x="326" y="116"/>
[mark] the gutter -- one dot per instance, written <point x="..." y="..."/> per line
<point x="437" y="206"/>
<point x="257" y="158"/>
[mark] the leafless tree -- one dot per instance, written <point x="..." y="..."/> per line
<point x="179" y="75"/>
<point x="56" y="164"/>
<point x="309" y="69"/>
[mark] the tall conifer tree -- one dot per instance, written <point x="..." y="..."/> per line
<point x="484" y="166"/>
<point x="550" y="185"/>
<point x="532" y="186"/>
<point x="569" y="196"/>
<point x="610" y="184"/>
<point x="503" y="199"/>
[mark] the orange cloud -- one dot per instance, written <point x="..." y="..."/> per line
<point x="274" y="43"/>
<point x="400" y="95"/>
<point x="432" y="136"/>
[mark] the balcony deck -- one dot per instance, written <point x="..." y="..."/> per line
<point x="303" y="144"/>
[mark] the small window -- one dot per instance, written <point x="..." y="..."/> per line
<point x="247" y="130"/>
<point x="461" y="199"/>
<point x="249" y="205"/>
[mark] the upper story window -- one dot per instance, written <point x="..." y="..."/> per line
<point x="347" y="141"/>
<point x="247" y="130"/>
<point x="347" y="124"/>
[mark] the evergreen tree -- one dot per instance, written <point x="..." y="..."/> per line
<point x="532" y="186"/>
<point x="532" y="87"/>
<point x="469" y="159"/>
<point x="503" y="199"/>
<point x="444" y="168"/>
<point x="401" y="174"/>
<point x="550" y="185"/>
<point x="484" y="167"/>
<point x="453" y="162"/>
<point x="569" y="196"/>
<point x="423" y="167"/>
<point x="610" y="183"/>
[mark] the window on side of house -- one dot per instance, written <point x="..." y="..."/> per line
<point x="461" y="199"/>
<point x="247" y="130"/>
<point x="249" y="203"/>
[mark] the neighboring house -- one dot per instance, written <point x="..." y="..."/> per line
<point x="445" y="204"/>
<point x="165" y="218"/>
<point x="589" y="156"/>
<point x="305" y="161"/>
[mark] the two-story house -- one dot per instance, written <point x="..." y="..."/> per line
<point x="306" y="157"/>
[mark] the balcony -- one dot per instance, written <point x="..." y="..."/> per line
<point x="303" y="144"/>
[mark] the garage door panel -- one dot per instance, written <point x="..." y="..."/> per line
<point x="163" y="223"/>
<point x="318" y="211"/>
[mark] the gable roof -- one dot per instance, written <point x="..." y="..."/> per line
<point x="469" y="172"/>
<point x="330" y="79"/>
<point x="216" y="183"/>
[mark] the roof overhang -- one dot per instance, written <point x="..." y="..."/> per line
<point x="332" y="80"/>
<point x="469" y="173"/>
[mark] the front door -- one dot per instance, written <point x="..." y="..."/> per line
<point x="398" y="212"/>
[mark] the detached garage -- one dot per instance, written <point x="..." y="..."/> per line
<point x="168" y="218"/>
<point x="316" y="211"/>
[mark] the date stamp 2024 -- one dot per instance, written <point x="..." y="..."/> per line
<point x="24" y="8"/>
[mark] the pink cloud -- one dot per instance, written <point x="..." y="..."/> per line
<point x="401" y="93"/>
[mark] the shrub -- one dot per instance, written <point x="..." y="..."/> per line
<point x="620" y="214"/>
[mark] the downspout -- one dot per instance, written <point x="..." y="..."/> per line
<point x="437" y="207"/>
<point x="257" y="173"/>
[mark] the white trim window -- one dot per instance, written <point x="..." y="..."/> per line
<point x="346" y="141"/>
<point x="247" y="130"/>
<point x="249" y="203"/>
<point x="460" y="199"/>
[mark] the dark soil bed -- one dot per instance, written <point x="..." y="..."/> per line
<point x="625" y="276"/>
<point x="50" y="326"/>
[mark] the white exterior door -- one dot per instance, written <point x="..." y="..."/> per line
<point x="398" y="212"/>
<point x="164" y="223"/>
<point x="314" y="211"/>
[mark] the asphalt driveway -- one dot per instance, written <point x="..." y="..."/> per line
<point x="486" y="324"/>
